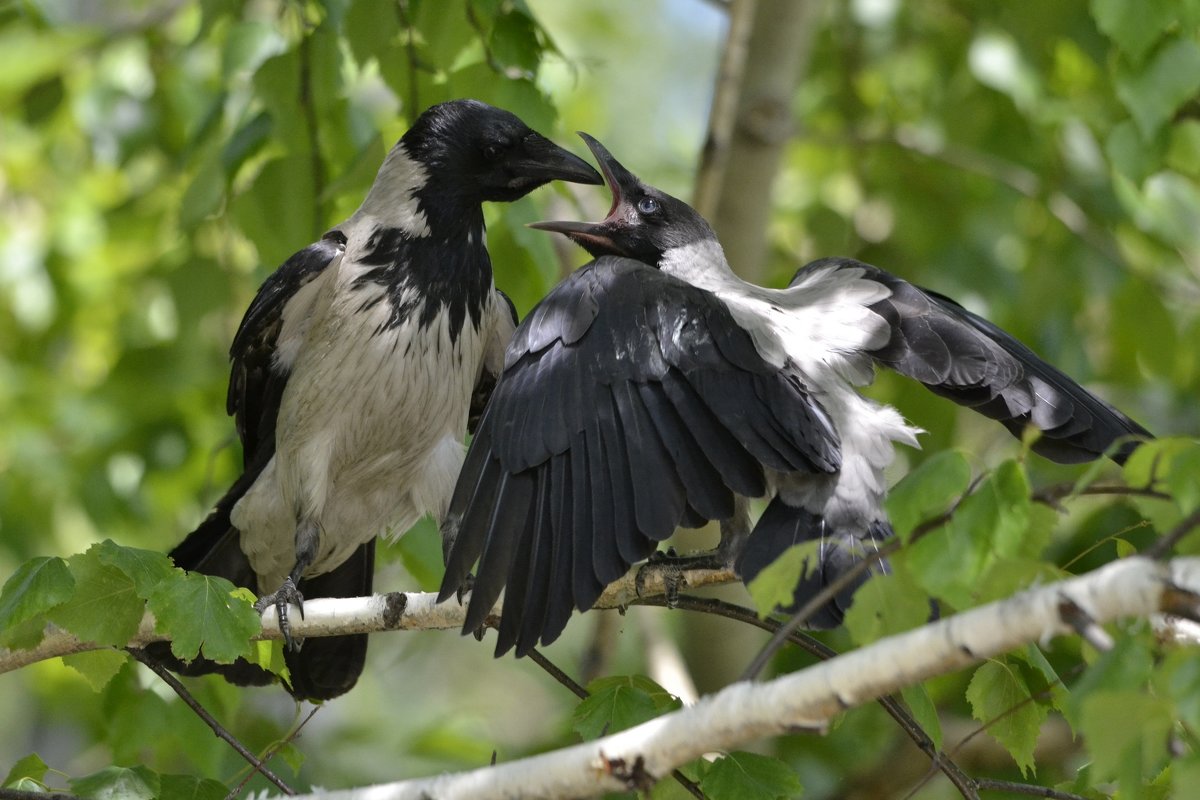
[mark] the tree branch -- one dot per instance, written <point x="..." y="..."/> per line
<point x="809" y="699"/>
<point x="394" y="611"/>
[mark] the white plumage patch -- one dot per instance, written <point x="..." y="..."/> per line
<point x="370" y="426"/>
<point x="821" y="328"/>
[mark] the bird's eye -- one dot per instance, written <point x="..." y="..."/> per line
<point x="647" y="205"/>
<point x="492" y="151"/>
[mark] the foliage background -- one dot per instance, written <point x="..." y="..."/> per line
<point x="1037" y="161"/>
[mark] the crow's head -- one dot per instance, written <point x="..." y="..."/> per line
<point x="643" y="222"/>
<point x="479" y="152"/>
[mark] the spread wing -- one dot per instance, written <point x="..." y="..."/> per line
<point x="630" y="403"/>
<point x="961" y="356"/>
<point x="261" y="360"/>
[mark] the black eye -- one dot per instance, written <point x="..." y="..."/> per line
<point x="492" y="151"/>
<point x="647" y="205"/>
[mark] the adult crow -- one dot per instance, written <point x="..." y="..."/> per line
<point x="653" y="386"/>
<point x="353" y="377"/>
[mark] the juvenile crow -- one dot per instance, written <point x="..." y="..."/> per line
<point x="353" y="376"/>
<point x="653" y="386"/>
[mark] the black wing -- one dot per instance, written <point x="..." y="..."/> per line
<point x="963" y="357"/>
<point x="324" y="668"/>
<point x="257" y="380"/>
<point x="630" y="403"/>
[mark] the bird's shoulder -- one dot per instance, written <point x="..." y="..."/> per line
<point x="258" y="374"/>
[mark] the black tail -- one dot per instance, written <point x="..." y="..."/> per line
<point x="782" y="526"/>
<point x="329" y="666"/>
<point x="324" y="667"/>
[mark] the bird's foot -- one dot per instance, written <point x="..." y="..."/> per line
<point x="672" y="567"/>
<point x="464" y="588"/>
<point x="280" y="599"/>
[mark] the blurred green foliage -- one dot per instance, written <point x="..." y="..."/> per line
<point x="1039" y="162"/>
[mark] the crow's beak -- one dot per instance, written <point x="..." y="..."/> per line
<point x="597" y="236"/>
<point x="543" y="160"/>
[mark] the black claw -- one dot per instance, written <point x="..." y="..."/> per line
<point x="281" y="598"/>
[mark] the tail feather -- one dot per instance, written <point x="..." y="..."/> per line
<point x="782" y="526"/>
<point x="324" y="667"/>
<point x="329" y="666"/>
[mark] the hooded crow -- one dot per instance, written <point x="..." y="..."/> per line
<point x="354" y="373"/>
<point x="653" y="387"/>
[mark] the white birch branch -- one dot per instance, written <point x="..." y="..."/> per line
<point x="809" y="699"/>
<point x="395" y="611"/>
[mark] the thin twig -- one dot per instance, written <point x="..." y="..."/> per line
<point x="830" y="591"/>
<point x="1162" y="548"/>
<point x="272" y="750"/>
<point x="991" y="785"/>
<point x="583" y="694"/>
<point x="202" y="712"/>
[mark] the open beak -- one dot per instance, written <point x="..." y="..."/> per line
<point x="597" y="235"/>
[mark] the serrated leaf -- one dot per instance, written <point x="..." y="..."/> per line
<point x="1183" y="479"/>
<point x="750" y="776"/>
<point x="145" y="567"/>
<point x="189" y="787"/>
<point x="776" y="585"/>
<point x="620" y="702"/>
<point x="118" y="783"/>
<point x="1033" y="656"/>
<point x="37" y="586"/>
<point x="30" y="767"/>
<point x="97" y="666"/>
<point x="1153" y="91"/>
<point x="1133" y="26"/>
<point x="921" y="706"/>
<point x="999" y="697"/>
<point x="884" y="605"/>
<point x="1122" y="726"/>
<point x="201" y="613"/>
<point x="105" y="607"/>
<point x="927" y="491"/>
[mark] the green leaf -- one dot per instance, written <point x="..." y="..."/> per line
<point x="201" y="613"/>
<point x="750" y="776"/>
<point x="97" y="666"/>
<point x="1169" y="79"/>
<point x="1133" y="26"/>
<point x="999" y="697"/>
<point x="105" y="607"/>
<point x="1183" y="153"/>
<point x="37" y="586"/>
<point x="884" y="605"/>
<point x="248" y="45"/>
<point x="923" y="710"/>
<point x="420" y="551"/>
<point x="620" y="702"/>
<point x="30" y="767"/>
<point x="1128" y="664"/>
<point x="1123" y="726"/>
<point x="1183" y="478"/>
<point x="372" y="29"/>
<point x="145" y="567"/>
<point x="118" y="783"/>
<point x="189" y="787"/>
<point x="927" y="491"/>
<point x="776" y="585"/>
<point x="1047" y="679"/>
<point x="283" y="190"/>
